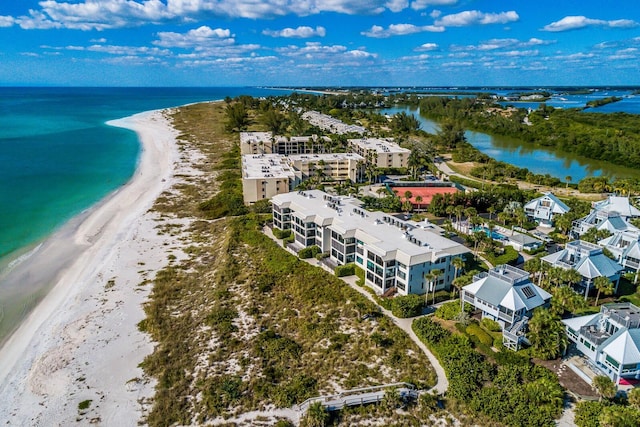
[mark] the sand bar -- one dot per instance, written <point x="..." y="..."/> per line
<point x="81" y="342"/>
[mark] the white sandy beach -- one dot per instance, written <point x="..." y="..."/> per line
<point x="81" y="342"/>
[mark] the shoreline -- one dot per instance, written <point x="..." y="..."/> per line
<point x="81" y="342"/>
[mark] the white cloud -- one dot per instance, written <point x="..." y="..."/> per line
<point x="379" y="32"/>
<point x="300" y="32"/>
<point x="197" y="37"/>
<point x="417" y="58"/>
<point x="458" y="64"/>
<point x="396" y="5"/>
<point x="114" y="50"/>
<point x="426" y="47"/>
<point x="423" y="4"/>
<point x="106" y="14"/>
<point x="311" y="49"/>
<point x="475" y="17"/>
<point x="515" y="53"/>
<point x="577" y="22"/>
<point x="6" y="21"/>
<point x="495" y="44"/>
<point x="101" y="40"/>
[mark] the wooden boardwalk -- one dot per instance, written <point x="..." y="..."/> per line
<point x="359" y="396"/>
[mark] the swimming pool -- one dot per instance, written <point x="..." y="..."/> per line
<point x="494" y="234"/>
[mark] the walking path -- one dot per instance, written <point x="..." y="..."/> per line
<point x="405" y="324"/>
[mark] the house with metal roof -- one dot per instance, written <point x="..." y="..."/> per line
<point x="395" y="254"/>
<point x="612" y="214"/>
<point x="587" y="259"/>
<point x="609" y="339"/>
<point x="543" y="209"/>
<point x="507" y="295"/>
<point x="625" y="246"/>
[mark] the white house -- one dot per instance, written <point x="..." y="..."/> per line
<point x="507" y="295"/>
<point x="543" y="209"/>
<point x="609" y="339"/>
<point x="612" y="214"/>
<point x="587" y="259"/>
<point x="625" y="246"/>
<point x="395" y="254"/>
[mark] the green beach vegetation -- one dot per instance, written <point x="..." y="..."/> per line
<point x="242" y="323"/>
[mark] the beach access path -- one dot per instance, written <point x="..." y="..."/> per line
<point x="76" y="357"/>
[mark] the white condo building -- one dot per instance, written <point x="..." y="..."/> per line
<point x="383" y="153"/>
<point x="265" y="175"/>
<point x="394" y="254"/>
<point x="267" y="143"/>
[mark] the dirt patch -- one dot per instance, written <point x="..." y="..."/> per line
<point x="568" y="379"/>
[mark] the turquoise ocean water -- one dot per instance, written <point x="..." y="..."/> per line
<point x="57" y="159"/>
<point x="57" y="156"/>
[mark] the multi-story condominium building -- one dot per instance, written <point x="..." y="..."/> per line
<point x="609" y="339"/>
<point x="381" y="152"/>
<point x="394" y="254"/>
<point x="267" y="143"/>
<point x="333" y="167"/>
<point x="612" y="214"/>
<point x="588" y="260"/>
<point x="265" y="175"/>
<point x="543" y="209"/>
<point x="505" y="294"/>
<point x="331" y="124"/>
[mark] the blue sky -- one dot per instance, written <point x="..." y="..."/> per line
<point x="319" y="42"/>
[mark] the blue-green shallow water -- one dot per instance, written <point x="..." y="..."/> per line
<point x="57" y="157"/>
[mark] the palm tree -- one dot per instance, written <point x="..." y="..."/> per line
<point x="429" y="278"/>
<point x="565" y="299"/>
<point x="571" y="277"/>
<point x="491" y="211"/>
<point x="547" y="335"/>
<point x="605" y="387"/>
<point x="634" y="397"/>
<point x="533" y="267"/>
<point x="449" y="210"/>
<point x="458" y="210"/>
<point x="604" y="285"/>
<point x="555" y="276"/>
<point x="568" y="179"/>
<point x="419" y="201"/>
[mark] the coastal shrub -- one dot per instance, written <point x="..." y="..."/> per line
<point x="345" y="270"/>
<point x="490" y="325"/>
<point x="360" y="273"/>
<point x="281" y="234"/>
<point x="474" y="329"/>
<point x="84" y="404"/>
<point x="509" y="256"/>
<point x="309" y="252"/>
<point x="221" y="320"/>
<point x="261" y="207"/>
<point x="407" y="305"/>
<point x="448" y="310"/>
<point x="519" y="394"/>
